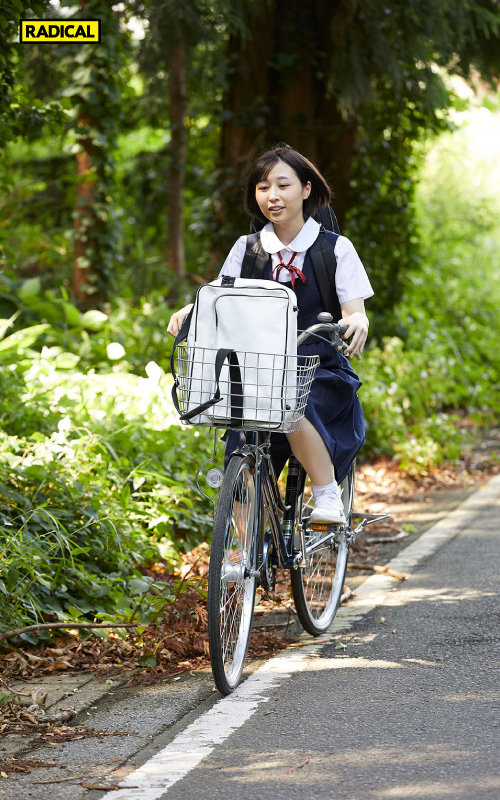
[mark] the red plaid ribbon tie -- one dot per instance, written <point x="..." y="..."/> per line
<point x="294" y="271"/>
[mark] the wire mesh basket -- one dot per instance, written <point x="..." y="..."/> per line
<point x="243" y="390"/>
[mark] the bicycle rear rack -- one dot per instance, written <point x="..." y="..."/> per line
<point x="367" y="519"/>
<point x="333" y="529"/>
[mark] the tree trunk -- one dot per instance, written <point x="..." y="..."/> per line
<point x="177" y="172"/>
<point x="280" y="88"/>
<point x="83" y="220"/>
<point x="85" y="196"/>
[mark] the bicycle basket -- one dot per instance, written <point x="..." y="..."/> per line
<point x="243" y="390"/>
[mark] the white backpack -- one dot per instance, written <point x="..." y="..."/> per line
<point x="237" y="355"/>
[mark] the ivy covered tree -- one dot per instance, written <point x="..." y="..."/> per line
<point x="22" y="112"/>
<point x="96" y="90"/>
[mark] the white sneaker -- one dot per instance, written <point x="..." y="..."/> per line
<point x="330" y="509"/>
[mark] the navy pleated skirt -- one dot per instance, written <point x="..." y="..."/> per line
<point x="333" y="407"/>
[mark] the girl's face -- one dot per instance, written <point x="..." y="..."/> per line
<point x="281" y="195"/>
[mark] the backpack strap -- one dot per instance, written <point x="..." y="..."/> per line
<point x="325" y="215"/>
<point x="236" y="389"/>
<point x="324" y="262"/>
<point x="255" y="259"/>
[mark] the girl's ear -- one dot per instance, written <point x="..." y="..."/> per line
<point x="307" y="190"/>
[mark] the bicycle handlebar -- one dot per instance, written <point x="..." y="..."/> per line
<point x="325" y="324"/>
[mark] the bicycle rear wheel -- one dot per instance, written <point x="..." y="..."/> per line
<point x="317" y="587"/>
<point x="231" y="582"/>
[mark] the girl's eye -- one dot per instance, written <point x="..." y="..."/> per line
<point x="284" y="185"/>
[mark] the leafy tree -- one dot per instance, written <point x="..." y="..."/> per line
<point x="174" y="28"/>
<point x="180" y="35"/>
<point x="355" y="86"/>
<point x="95" y="92"/>
<point x="20" y="113"/>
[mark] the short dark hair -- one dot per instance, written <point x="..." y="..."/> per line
<point x="320" y="195"/>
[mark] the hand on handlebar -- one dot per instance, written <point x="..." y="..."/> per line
<point x="357" y="327"/>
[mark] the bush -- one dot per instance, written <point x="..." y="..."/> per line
<point x="96" y="479"/>
<point x="449" y="358"/>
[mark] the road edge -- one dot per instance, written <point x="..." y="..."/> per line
<point x="195" y="742"/>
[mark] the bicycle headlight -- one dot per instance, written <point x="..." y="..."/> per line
<point x="214" y="478"/>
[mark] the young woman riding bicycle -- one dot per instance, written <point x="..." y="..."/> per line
<point x="284" y="189"/>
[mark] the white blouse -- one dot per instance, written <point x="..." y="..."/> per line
<point x="351" y="280"/>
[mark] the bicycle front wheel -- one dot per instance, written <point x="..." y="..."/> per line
<point x="317" y="587"/>
<point x="231" y="578"/>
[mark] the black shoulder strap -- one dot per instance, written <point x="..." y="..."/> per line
<point x="325" y="215"/>
<point x="324" y="264"/>
<point x="323" y="261"/>
<point x="255" y="259"/>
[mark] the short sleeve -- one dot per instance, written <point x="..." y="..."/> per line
<point x="234" y="260"/>
<point x="351" y="280"/>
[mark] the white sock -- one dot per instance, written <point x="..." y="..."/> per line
<point x="319" y="491"/>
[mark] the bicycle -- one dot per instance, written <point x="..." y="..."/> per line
<point x="255" y="533"/>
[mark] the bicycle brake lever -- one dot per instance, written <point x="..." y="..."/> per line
<point x="336" y="337"/>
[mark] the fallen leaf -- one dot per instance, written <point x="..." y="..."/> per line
<point x="383" y="621"/>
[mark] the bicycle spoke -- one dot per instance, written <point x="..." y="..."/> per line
<point x="231" y="590"/>
<point x="317" y="587"/>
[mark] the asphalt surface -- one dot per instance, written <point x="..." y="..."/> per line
<point x="407" y="710"/>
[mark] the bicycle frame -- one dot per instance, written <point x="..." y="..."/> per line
<point x="291" y="550"/>
<point x="267" y="497"/>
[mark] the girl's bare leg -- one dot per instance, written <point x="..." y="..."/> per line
<point x="309" y="448"/>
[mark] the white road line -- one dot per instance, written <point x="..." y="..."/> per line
<point x="199" y="739"/>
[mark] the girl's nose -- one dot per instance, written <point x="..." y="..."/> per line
<point x="274" y="193"/>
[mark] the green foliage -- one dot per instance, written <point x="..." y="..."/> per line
<point x="127" y="335"/>
<point x="449" y="360"/>
<point x="95" y="476"/>
<point x="408" y="408"/>
<point x="95" y="93"/>
<point x="390" y="85"/>
<point x="381" y="217"/>
<point x="21" y="113"/>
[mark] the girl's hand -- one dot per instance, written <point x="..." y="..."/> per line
<point x="177" y="319"/>
<point x="357" y="328"/>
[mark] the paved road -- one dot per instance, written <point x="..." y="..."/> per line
<point x="407" y="710"/>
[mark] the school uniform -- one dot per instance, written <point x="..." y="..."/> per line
<point x="333" y="407"/>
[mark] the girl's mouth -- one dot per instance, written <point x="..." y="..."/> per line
<point x="276" y="210"/>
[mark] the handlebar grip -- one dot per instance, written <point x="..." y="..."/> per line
<point x="343" y="329"/>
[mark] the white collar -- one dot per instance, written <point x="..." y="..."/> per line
<point x="303" y="241"/>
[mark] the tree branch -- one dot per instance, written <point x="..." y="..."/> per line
<point x="400" y="576"/>
<point x="49" y="625"/>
